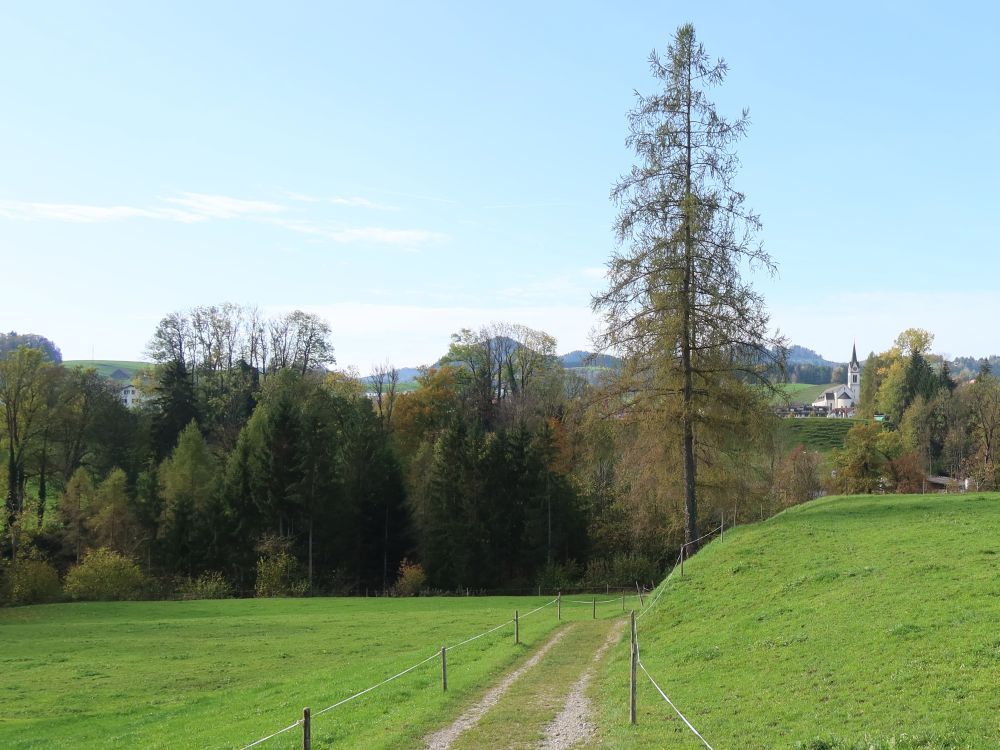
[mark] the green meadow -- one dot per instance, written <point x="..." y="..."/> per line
<point x="803" y="393"/>
<point x="861" y="623"/>
<point x="848" y="623"/>
<point x="221" y="674"/>
<point x="105" y="367"/>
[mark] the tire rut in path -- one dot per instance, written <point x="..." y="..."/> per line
<point x="572" y="726"/>
<point x="443" y="738"/>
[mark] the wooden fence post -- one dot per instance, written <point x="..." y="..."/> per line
<point x="722" y="528"/>
<point x="517" y="629"/>
<point x="632" y="674"/>
<point x="623" y="600"/>
<point x="306" y="730"/>
<point x="595" y="608"/>
<point x="639" y="591"/>
<point x="682" y="559"/>
<point x="444" y="669"/>
<point x="559" y="606"/>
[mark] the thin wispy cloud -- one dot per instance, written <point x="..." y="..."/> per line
<point x="339" y="200"/>
<point x="224" y="206"/>
<point x="193" y="208"/>
<point x="89" y="214"/>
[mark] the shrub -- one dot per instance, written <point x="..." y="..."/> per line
<point x="622" y="570"/>
<point x="411" y="578"/>
<point x="104" y="575"/>
<point x="556" y="576"/>
<point x="209" y="585"/>
<point x="29" y="582"/>
<point x="278" y="575"/>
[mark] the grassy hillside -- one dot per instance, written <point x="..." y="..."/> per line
<point x="815" y="433"/>
<point x="803" y="393"/>
<point x="107" y="366"/>
<point x="846" y="623"/>
<point x="221" y="674"/>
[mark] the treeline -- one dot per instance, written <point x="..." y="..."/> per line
<point x="248" y="457"/>
<point x="14" y="340"/>
<point x="501" y="470"/>
<point x="922" y="422"/>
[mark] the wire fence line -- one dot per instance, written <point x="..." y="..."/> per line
<point x="661" y="589"/>
<point x="637" y="656"/>
<point x="387" y="680"/>
<point x="262" y="740"/>
<point x="671" y="704"/>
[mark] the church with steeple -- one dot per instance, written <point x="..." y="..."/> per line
<point x="840" y="400"/>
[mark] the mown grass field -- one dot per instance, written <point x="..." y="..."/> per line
<point x="221" y="674"/>
<point x="848" y="622"/>
<point x="803" y="393"/>
<point x="814" y="433"/>
<point x="105" y="367"/>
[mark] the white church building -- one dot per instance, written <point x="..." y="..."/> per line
<point x="840" y="400"/>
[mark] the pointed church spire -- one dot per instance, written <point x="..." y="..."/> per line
<point x="854" y="354"/>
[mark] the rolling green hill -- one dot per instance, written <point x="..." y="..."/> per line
<point x="107" y="367"/>
<point x="847" y="623"/>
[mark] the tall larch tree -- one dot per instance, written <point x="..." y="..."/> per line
<point x="677" y="308"/>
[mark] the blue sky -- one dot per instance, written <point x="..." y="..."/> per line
<point x="409" y="169"/>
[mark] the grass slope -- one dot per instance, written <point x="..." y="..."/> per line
<point x="815" y="433"/>
<point x="804" y="393"/>
<point x="861" y="622"/>
<point x="220" y="674"/>
<point x="105" y="367"/>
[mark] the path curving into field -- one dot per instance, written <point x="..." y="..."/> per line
<point x="443" y="739"/>
<point x="572" y="727"/>
<point x="543" y="704"/>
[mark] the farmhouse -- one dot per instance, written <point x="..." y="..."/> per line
<point x="841" y="399"/>
<point x="131" y="396"/>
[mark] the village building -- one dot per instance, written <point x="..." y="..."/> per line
<point x="840" y="400"/>
<point x="131" y="396"/>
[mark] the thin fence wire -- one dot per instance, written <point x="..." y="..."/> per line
<point x="477" y="637"/>
<point x="663" y="586"/>
<point x="262" y="740"/>
<point x="703" y="536"/>
<point x="373" y="687"/>
<point x="387" y="680"/>
<point x="671" y="704"/>
<point x="652" y="604"/>
<point x="538" y="609"/>
<point x="590" y="602"/>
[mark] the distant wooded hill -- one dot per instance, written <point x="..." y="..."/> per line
<point x="587" y="363"/>
<point x="800" y="355"/>
<point x="11" y="341"/>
